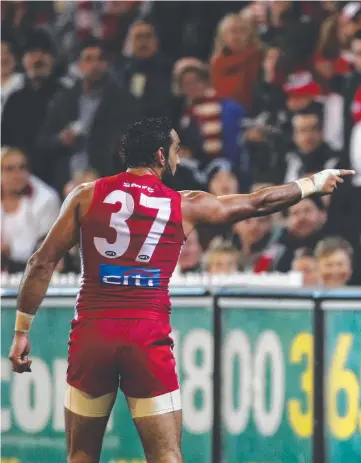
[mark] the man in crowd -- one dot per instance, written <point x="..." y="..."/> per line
<point x="211" y="125"/>
<point x="310" y="152"/>
<point x="306" y="263"/>
<point x="11" y="81"/>
<point x="25" y="110"/>
<point x="29" y="208"/>
<point x="334" y="257"/>
<point x="222" y="259"/>
<point x="146" y="72"/>
<point x="304" y="228"/>
<point x="85" y="123"/>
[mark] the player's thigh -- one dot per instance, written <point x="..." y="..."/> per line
<point x="86" y="418"/>
<point x="161" y="437"/>
<point x="150" y="384"/>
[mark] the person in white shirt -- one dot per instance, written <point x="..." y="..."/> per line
<point x="29" y="208"/>
<point x="10" y="80"/>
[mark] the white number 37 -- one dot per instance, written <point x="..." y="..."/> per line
<point x="118" y="221"/>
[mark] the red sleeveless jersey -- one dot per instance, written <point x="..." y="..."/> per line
<point x="131" y="239"/>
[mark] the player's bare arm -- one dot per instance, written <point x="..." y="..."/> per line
<point x="63" y="236"/>
<point x="200" y="207"/>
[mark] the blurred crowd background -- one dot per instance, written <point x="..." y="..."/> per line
<point x="261" y="93"/>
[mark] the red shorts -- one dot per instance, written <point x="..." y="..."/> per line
<point x="134" y="354"/>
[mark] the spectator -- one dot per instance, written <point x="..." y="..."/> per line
<point x="310" y="153"/>
<point x="334" y="256"/>
<point x="11" y="81"/>
<point x="236" y="60"/>
<point x="180" y="99"/>
<point x="211" y="125"/>
<point x="222" y="259"/>
<point x="29" y="208"/>
<point x="265" y="140"/>
<point x="352" y="84"/>
<point x="304" y="228"/>
<point x="302" y="93"/>
<point x="332" y="58"/>
<point x="295" y="33"/>
<point x="191" y="254"/>
<point x="222" y="183"/>
<point x="279" y="17"/>
<point x="306" y="263"/>
<point x="85" y="123"/>
<point x="115" y="21"/>
<point x="268" y="96"/>
<point x="17" y="21"/>
<point x="146" y="73"/>
<point x="253" y="237"/>
<point x="25" y="110"/>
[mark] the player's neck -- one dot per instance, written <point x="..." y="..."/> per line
<point x="145" y="171"/>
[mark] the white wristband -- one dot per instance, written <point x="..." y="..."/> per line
<point x="23" y="321"/>
<point x="306" y="186"/>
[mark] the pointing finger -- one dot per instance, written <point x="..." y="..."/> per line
<point x="344" y="172"/>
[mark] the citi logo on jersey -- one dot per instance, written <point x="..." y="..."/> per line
<point x="129" y="276"/>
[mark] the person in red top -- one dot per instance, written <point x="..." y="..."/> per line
<point x="131" y="228"/>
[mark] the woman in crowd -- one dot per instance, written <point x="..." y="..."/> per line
<point x="236" y="60"/>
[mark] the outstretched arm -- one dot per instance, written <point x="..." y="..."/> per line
<point x="200" y="207"/>
<point x="62" y="236"/>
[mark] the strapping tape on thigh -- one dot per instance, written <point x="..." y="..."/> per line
<point x="165" y="403"/>
<point x="84" y="404"/>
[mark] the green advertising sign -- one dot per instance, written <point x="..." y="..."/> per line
<point x="343" y="381"/>
<point x="32" y="421"/>
<point x="267" y="380"/>
<point x="267" y="383"/>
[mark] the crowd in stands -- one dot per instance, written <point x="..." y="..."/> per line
<point x="260" y="92"/>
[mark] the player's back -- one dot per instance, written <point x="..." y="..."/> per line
<point x="130" y="243"/>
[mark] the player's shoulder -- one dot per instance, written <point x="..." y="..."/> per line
<point x="81" y="195"/>
<point x="168" y="191"/>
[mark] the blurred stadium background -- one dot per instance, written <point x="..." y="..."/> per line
<point x="261" y="93"/>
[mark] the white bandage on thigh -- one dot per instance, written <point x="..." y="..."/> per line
<point x="84" y="404"/>
<point x="164" y="403"/>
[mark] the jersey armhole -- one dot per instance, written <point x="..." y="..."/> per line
<point x="93" y="201"/>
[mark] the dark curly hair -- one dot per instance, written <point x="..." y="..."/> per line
<point x="143" y="139"/>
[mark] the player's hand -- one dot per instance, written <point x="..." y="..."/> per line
<point x="19" y="353"/>
<point x="327" y="180"/>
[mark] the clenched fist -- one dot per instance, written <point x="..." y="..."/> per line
<point x="19" y="353"/>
